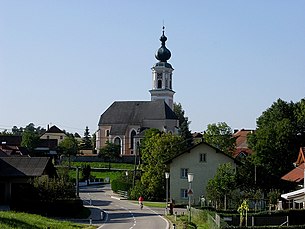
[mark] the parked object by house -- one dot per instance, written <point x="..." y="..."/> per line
<point x="202" y="160"/>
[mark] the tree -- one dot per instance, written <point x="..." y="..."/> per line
<point x="69" y="146"/>
<point x="86" y="141"/>
<point x="280" y="133"/>
<point x="110" y="151"/>
<point x="30" y="128"/>
<point x="220" y="187"/>
<point x="184" y="123"/>
<point x="156" y="149"/>
<point x="220" y="135"/>
<point x="29" y="140"/>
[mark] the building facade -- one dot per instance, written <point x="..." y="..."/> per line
<point x="202" y="160"/>
<point x="124" y="121"/>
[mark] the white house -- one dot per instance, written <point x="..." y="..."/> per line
<point x="202" y="160"/>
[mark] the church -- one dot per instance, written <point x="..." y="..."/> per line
<point x="124" y="122"/>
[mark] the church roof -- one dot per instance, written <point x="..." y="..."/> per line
<point x="123" y="113"/>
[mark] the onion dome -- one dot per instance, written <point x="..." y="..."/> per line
<point x="163" y="54"/>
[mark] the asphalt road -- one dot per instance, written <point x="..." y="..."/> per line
<point x="120" y="214"/>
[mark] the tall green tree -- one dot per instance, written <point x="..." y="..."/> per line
<point x="86" y="141"/>
<point x="156" y="149"/>
<point x="184" y="123"/>
<point x="220" y="135"/>
<point x="220" y="188"/>
<point x="280" y="133"/>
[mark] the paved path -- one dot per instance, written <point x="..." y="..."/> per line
<point x="109" y="211"/>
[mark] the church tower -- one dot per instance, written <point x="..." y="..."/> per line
<point x="162" y="75"/>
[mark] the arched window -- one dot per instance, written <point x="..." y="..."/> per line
<point x="117" y="141"/>
<point x="132" y="140"/>
<point x="159" y="83"/>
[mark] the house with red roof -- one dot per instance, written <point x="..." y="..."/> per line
<point x="297" y="176"/>
<point x="242" y="149"/>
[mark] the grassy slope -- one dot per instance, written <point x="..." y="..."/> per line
<point x="14" y="220"/>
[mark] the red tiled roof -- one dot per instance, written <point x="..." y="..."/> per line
<point x="241" y="142"/>
<point x="295" y="175"/>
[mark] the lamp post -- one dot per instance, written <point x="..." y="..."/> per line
<point x="166" y="178"/>
<point x="190" y="177"/>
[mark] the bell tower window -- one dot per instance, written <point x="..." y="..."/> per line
<point x="159" y="83"/>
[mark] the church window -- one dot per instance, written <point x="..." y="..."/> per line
<point x="117" y="141"/>
<point x="132" y="139"/>
<point x="159" y="83"/>
<point x="107" y="133"/>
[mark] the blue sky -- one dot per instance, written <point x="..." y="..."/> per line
<point x="65" y="62"/>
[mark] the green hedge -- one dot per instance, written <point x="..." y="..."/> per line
<point x="118" y="184"/>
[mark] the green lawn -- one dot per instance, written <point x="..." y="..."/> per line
<point x="102" y="165"/>
<point x="152" y="204"/>
<point x="14" y="220"/>
<point x="200" y="220"/>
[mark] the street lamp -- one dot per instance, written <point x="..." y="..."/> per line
<point x="166" y="178"/>
<point x="190" y="177"/>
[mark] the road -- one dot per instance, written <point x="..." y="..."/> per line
<point x="121" y="214"/>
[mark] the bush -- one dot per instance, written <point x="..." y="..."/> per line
<point x="137" y="191"/>
<point x="118" y="184"/>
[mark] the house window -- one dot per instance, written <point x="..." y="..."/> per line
<point x="183" y="193"/>
<point x="203" y="157"/>
<point x="61" y="137"/>
<point x="48" y="137"/>
<point x="183" y="173"/>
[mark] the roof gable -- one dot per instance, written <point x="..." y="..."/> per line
<point x="198" y="145"/>
<point x="23" y="166"/>
<point x="55" y="129"/>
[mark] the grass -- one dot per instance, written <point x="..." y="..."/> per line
<point x="152" y="204"/>
<point x="102" y="165"/>
<point x="199" y="221"/>
<point x="14" y="220"/>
